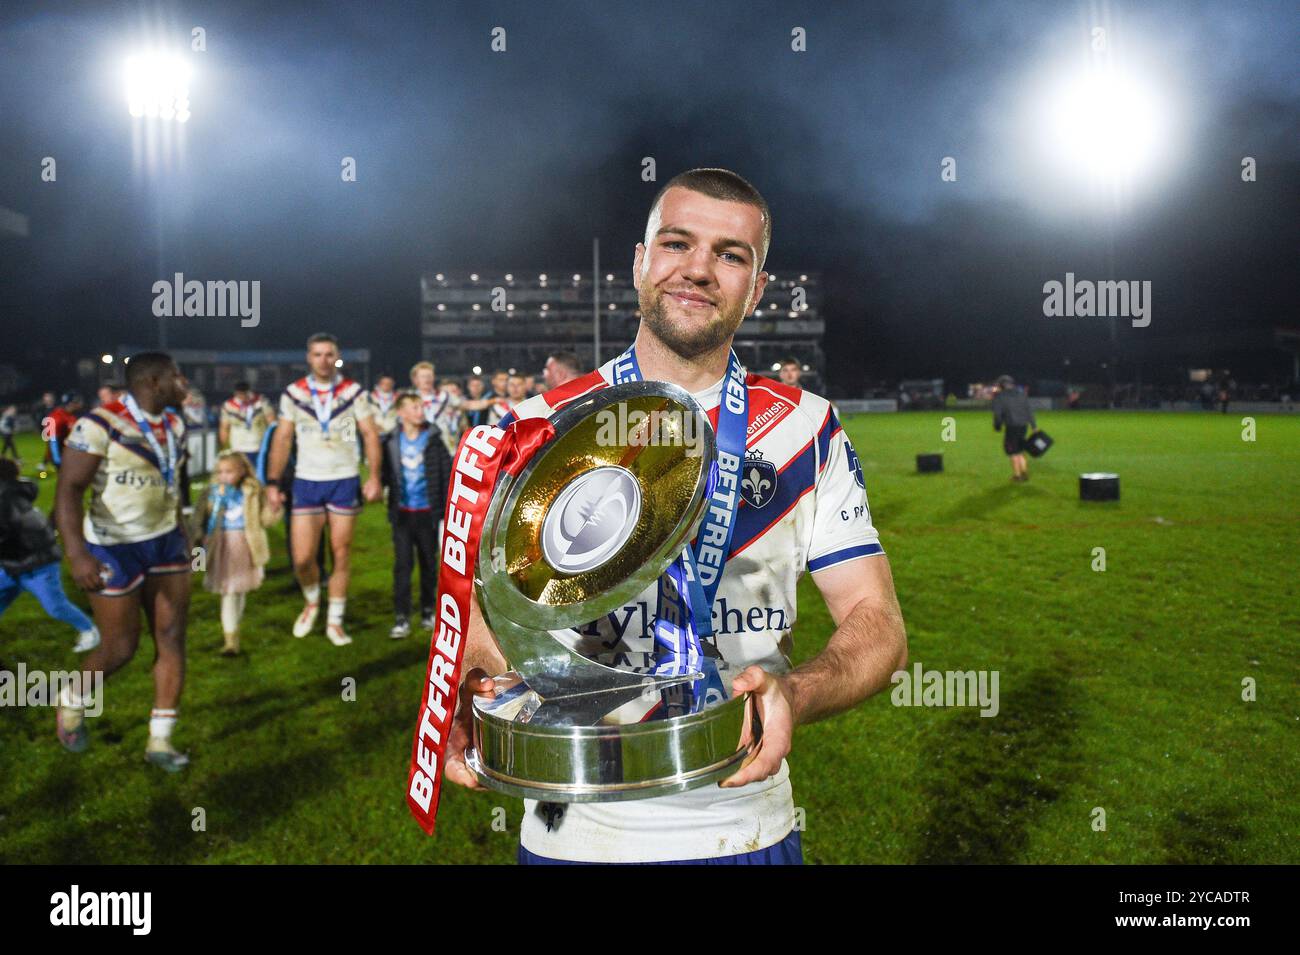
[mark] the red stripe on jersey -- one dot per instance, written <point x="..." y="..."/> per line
<point x="557" y="398"/>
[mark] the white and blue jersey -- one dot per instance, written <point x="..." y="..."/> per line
<point x="803" y="509"/>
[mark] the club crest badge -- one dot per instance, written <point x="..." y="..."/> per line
<point x="758" y="479"/>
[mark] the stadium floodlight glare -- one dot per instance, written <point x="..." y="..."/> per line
<point x="478" y="369"/>
<point x="106" y="359"/>
<point x="158" y="86"/>
<point x="338" y="362"/>
<point x="1105" y="124"/>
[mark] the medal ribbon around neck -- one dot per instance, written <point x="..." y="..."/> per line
<point x="324" y="409"/>
<point x="166" y="464"/>
<point x="249" y="411"/>
<point x="688" y="587"/>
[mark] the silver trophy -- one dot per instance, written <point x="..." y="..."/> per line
<point x="591" y="521"/>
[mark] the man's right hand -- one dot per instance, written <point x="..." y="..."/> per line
<point x="86" y="572"/>
<point x="274" y="497"/>
<point x="476" y="682"/>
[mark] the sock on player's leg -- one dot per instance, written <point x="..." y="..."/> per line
<point x="336" y="608"/>
<point x="311" y="593"/>
<point x="161" y="724"/>
<point x="73" y="705"/>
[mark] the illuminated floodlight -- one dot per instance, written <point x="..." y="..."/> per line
<point x="338" y="362"/>
<point x="158" y="86"/>
<point x="1105" y="125"/>
<point x="478" y="369"/>
<point x="106" y="359"/>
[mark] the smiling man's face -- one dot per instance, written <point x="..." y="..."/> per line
<point x="699" y="275"/>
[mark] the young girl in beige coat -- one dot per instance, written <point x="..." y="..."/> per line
<point x="235" y="518"/>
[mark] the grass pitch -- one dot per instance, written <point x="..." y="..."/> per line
<point x="1120" y="690"/>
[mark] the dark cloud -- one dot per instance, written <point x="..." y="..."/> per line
<point x="471" y="159"/>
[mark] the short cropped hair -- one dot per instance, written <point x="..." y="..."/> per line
<point x="569" y="360"/>
<point x="322" y="337"/>
<point x="722" y="184"/>
<point x="147" y="365"/>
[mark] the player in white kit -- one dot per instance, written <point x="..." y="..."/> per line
<point x="128" y="551"/>
<point x="803" y="508"/>
<point x="245" y="416"/>
<point x="326" y="413"/>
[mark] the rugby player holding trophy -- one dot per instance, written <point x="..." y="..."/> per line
<point x="802" y="506"/>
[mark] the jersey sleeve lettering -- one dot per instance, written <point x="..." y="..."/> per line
<point x="842" y="528"/>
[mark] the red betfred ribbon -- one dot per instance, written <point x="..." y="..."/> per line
<point x="483" y="454"/>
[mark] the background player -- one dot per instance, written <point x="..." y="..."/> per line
<point x="560" y="367"/>
<point x="791" y="371"/>
<point x="128" y="551"/>
<point x="245" y="416"/>
<point x="383" y="402"/>
<point x="325" y="412"/>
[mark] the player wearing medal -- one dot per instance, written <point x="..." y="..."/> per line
<point x="245" y="416"/>
<point x="802" y="507"/>
<point x="128" y="551"/>
<point x="325" y="412"/>
<point x="383" y="401"/>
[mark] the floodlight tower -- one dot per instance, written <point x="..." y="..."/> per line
<point x="157" y="87"/>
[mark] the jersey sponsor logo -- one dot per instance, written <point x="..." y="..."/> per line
<point x="767" y="418"/>
<point x="636" y="622"/>
<point x="759" y="479"/>
<point x="135" y="479"/>
<point x="855" y="466"/>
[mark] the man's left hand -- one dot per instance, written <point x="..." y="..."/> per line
<point x="773" y="702"/>
<point x="372" y="491"/>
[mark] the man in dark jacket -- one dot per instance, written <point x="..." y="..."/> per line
<point x="1011" y="409"/>
<point x="415" y="469"/>
<point x="29" y="557"/>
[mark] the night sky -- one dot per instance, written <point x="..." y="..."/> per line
<point x="468" y="158"/>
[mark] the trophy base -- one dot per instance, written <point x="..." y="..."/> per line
<point x="523" y="747"/>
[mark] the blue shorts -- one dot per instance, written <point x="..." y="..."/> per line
<point x="317" y="497"/>
<point x="788" y="851"/>
<point x="129" y="563"/>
